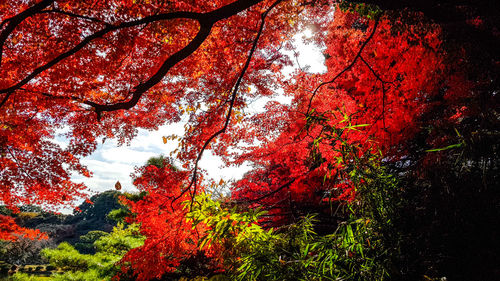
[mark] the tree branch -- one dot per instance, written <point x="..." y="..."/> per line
<point x="283" y="186"/>
<point x="13" y="22"/>
<point x="88" y="39"/>
<point x="73" y="15"/>
<point x="140" y="89"/>
<point x="206" y="21"/>
<point x="384" y="89"/>
<point x="234" y="93"/>
<point x="377" y="76"/>
<point x="347" y="68"/>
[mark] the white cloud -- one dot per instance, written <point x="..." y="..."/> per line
<point x="126" y="155"/>
<point x="217" y="169"/>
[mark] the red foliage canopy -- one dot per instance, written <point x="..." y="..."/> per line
<point x="9" y="230"/>
<point x="90" y="70"/>
<point x="170" y="238"/>
<point x="382" y="81"/>
<point x="85" y="71"/>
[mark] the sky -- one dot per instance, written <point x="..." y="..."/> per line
<point x="111" y="163"/>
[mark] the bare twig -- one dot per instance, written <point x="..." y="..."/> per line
<point x="384" y="89"/>
<point x="296" y="55"/>
<point x="73" y="15"/>
<point x="377" y="76"/>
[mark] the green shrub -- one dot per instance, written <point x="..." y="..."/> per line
<point x="26" y="277"/>
<point x="361" y="248"/>
<point x="86" y="244"/>
<point x="110" y="248"/>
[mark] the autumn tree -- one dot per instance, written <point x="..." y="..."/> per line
<point x="414" y="81"/>
<point x="86" y="71"/>
<point x="370" y="99"/>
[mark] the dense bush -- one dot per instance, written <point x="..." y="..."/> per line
<point x="92" y="214"/>
<point x="110" y="248"/>
<point x="24" y="250"/>
<point x="361" y="248"/>
<point x="86" y="242"/>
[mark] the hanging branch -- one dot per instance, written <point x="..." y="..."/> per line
<point x="283" y="186"/>
<point x="194" y="178"/>
<point x="384" y="89"/>
<point x="347" y="68"/>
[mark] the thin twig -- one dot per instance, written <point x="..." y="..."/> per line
<point x="73" y="15"/>
<point x="374" y="72"/>
<point x="283" y="186"/>
<point x="384" y="89"/>
<point x="347" y="68"/>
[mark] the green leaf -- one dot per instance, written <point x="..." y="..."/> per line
<point x="457" y="145"/>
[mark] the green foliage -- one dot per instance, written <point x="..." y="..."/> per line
<point x="93" y="214"/>
<point x="158" y="161"/>
<point x="110" y="248"/>
<point x="89" y="275"/>
<point x="99" y="206"/>
<point x="223" y="222"/>
<point x="67" y="258"/>
<point x="31" y="208"/>
<point x="357" y="250"/>
<point x="120" y="241"/>
<point x="26" y="277"/>
<point x="5" y="211"/>
<point x="95" y="256"/>
<point x="120" y="214"/>
<point x="361" y="248"/>
<point x="161" y="162"/>
<point x="92" y="236"/>
<point x="86" y="244"/>
<point x="33" y="216"/>
<point x="368" y="11"/>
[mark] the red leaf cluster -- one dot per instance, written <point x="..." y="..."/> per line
<point x="10" y="231"/>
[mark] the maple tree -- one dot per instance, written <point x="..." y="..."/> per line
<point x="104" y="69"/>
<point x="401" y="90"/>
<point x="372" y="98"/>
<point x="402" y="82"/>
<point x="169" y="237"/>
<point x="93" y="74"/>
